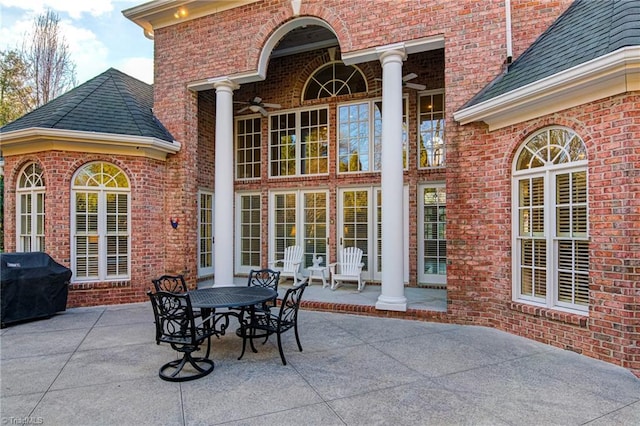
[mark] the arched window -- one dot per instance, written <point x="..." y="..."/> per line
<point x="551" y="232"/>
<point x="30" y="209"/>
<point x="100" y="223"/>
<point x="334" y="79"/>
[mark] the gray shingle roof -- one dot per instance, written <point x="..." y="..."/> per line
<point x="112" y="102"/>
<point x="587" y="30"/>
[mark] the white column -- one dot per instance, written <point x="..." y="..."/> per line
<point x="392" y="296"/>
<point x="223" y="195"/>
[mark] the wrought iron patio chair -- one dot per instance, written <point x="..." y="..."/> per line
<point x="173" y="284"/>
<point x="348" y="268"/>
<point x="277" y="323"/>
<point x="170" y="283"/>
<point x="291" y="263"/>
<point x="176" y="325"/>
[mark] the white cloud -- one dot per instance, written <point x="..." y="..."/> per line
<point x="140" y="68"/>
<point x="98" y="35"/>
<point x="74" y="9"/>
<point x="89" y="53"/>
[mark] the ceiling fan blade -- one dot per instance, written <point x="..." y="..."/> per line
<point x="243" y="109"/>
<point x="410" y="76"/>
<point x="267" y="105"/>
<point x="262" y="111"/>
<point x="416" y="86"/>
<point x="256" y="100"/>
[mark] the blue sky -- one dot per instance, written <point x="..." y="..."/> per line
<point x="98" y="34"/>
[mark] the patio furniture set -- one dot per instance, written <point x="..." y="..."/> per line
<point x="186" y="320"/>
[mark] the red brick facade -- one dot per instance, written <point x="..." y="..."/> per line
<point x="477" y="174"/>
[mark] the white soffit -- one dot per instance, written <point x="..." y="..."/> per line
<point x="609" y="75"/>
<point x="37" y="139"/>
<point x="164" y="13"/>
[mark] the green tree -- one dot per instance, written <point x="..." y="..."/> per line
<point x="14" y="89"/>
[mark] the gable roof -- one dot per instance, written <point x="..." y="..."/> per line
<point x="585" y="31"/>
<point x="112" y="102"/>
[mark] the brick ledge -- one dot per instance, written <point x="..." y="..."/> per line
<point x="98" y="285"/>
<point x="553" y="315"/>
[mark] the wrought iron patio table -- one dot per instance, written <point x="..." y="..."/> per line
<point x="212" y="298"/>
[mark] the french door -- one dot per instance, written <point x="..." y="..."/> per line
<point x="205" y="233"/>
<point x="360" y="225"/>
<point x="432" y="241"/>
<point x="299" y="218"/>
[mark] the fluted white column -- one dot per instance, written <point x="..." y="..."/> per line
<point x="392" y="296"/>
<point x="223" y="208"/>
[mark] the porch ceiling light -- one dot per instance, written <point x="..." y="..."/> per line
<point x="180" y="13"/>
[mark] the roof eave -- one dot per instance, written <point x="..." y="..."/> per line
<point x="608" y="75"/>
<point x="35" y="139"/>
<point x="164" y="13"/>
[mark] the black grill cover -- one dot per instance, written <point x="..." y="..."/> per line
<point x="33" y="286"/>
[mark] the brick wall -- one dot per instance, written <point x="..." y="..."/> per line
<point x="148" y="222"/>
<point x="478" y="162"/>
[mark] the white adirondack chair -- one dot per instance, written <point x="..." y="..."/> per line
<point x="290" y="264"/>
<point x="348" y="268"/>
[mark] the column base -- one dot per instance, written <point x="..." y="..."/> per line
<point x="386" y="303"/>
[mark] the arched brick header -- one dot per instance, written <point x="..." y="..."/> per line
<point x="277" y="33"/>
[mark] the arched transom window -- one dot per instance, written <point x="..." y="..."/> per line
<point x="30" y="209"/>
<point x="101" y="223"/>
<point x="551" y="238"/>
<point x="334" y="79"/>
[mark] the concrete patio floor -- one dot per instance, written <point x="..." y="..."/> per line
<point x="99" y="366"/>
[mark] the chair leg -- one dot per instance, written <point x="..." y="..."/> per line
<point x="295" y="329"/>
<point x="284" y="361"/>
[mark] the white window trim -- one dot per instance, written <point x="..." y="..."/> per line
<point x="444" y="118"/>
<point x="299" y="223"/>
<point x="102" y="225"/>
<point x="372" y="273"/>
<point x="372" y="134"/>
<point x="426" y="279"/>
<point x="298" y="131"/>
<point x="548" y="172"/>
<point x="235" y="142"/>
<point x="34" y="191"/>
<point x="239" y="268"/>
<point x="208" y="270"/>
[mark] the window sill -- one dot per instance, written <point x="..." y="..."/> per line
<point x="550" y="314"/>
<point x="98" y="285"/>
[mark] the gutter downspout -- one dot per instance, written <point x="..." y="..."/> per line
<point x="507" y="7"/>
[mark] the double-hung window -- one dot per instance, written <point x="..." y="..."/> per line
<point x="101" y="236"/>
<point x="30" y="209"/>
<point x="550" y="218"/>
<point x="299" y="143"/>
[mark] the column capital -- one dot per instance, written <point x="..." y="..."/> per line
<point x="224" y="83"/>
<point x="392" y="52"/>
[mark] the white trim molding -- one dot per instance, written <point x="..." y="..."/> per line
<point x="409" y="47"/>
<point x="37" y="139"/>
<point x="164" y="13"/>
<point x="612" y="74"/>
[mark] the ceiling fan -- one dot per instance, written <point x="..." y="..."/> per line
<point x="405" y="82"/>
<point x="256" y="105"/>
